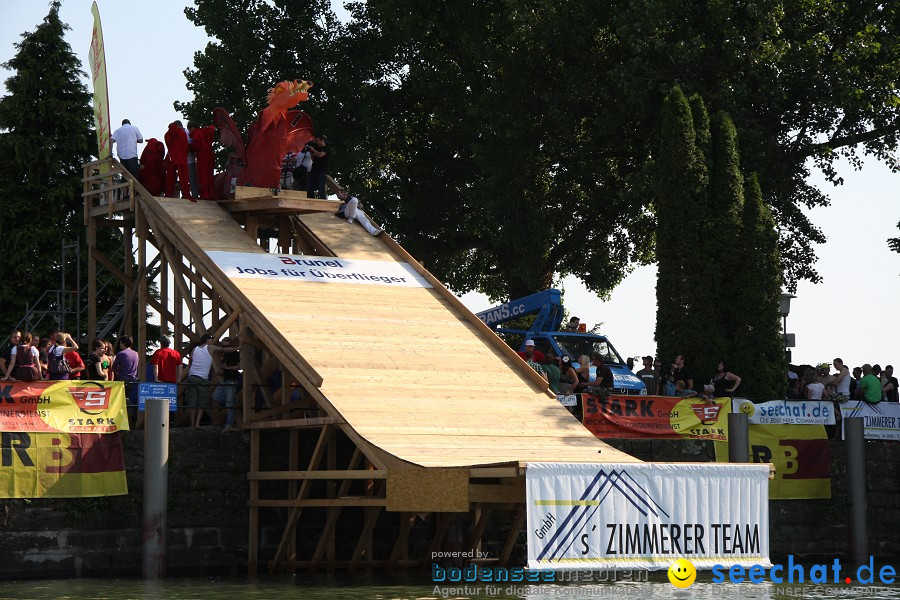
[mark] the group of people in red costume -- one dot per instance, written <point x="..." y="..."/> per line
<point x="190" y="149"/>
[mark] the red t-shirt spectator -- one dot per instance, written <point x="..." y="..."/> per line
<point x="166" y="361"/>
<point x="76" y="365"/>
<point x="537" y="356"/>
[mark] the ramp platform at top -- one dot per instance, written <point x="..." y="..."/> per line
<point x="416" y="376"/>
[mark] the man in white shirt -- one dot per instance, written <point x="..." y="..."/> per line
<point x="196" y="394"/>
<point x="128" y="137"/>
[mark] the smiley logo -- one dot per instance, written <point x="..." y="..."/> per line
<point x="682" y="573"/>
<point x="748" y="408"/>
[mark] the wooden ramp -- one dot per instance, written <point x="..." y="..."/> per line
<point x="377" y="415"/>
<point x="416" y="377"/>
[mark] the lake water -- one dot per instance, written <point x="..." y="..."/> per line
<point x="407" y="588"/>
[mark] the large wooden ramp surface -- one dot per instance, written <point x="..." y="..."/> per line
<point x="404" y="367"/>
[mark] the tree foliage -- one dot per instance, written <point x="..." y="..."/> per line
<point x="719" y="279"/>
<point x="45" y="136"/>
<point x="758" y="349"/>
<point x="509" y="143"/>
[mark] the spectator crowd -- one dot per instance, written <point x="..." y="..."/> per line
<point x="206" y="370"/>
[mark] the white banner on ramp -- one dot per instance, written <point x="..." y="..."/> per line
<point x="317" y="269"/>
<point x="646" y="515"/>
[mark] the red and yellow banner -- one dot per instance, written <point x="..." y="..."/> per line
<point x="63" y="406"/>
<point x="61" y="465"/>
<point x="801" y="456"/>
<point x="656" y="417"/>
<point x="97" y="58"/>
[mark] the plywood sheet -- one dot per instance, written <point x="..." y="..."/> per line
<point x="404" y="367"/>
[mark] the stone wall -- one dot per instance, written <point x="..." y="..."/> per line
<point x="208" y="515"/>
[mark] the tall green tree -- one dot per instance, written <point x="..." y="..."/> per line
<point x="682" y="183"/>
<point x="45" y="136"/>
<point x="506" y="144"/>
<point x="726" y="201"/>
<point x="759" y="349"/>
<point x="719" y="276"/>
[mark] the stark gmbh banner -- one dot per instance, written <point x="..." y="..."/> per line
<point x="656" y="417"/>
<point x="67" y="406"/>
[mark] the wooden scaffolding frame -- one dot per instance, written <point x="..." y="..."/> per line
<point x="329" y="479"/>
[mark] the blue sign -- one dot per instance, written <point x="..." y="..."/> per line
<point x="158" y="391"/>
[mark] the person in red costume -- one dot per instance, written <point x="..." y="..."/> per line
<point x="201" y="143"/>
<point x="176" y="161"/>
<point x="153" y="169"/>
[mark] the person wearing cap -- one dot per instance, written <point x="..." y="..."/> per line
<point x="529" y="354"/>
<point x="648" y="376"/>
<point x="166" y="362"/>
<point x="568" y="377"/>
<point x="321" y="154"/>
<point x="196" y="395"/>
<point x="869" y="388"/>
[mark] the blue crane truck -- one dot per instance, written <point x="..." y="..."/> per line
<point x="548" y="310"/>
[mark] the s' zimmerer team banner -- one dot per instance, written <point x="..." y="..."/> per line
<point x="64" y="406"/>
<point x="656" y="416"/>
<point x="317" y="269"/>
<point x="97" y="58"/>
<point x="646" y="515"/>
<point x="61" y="465"/>
<point x="881" y="421"/>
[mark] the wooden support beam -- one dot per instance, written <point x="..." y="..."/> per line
<point x="331" y="474"/>
<point x="326" y="540"/>
<point x="107" y="264"/>
<point x="310" y="239"/>
<point x="364" y="543"/>
<point x="482" y="515"/>
<point x="258" y="423"/>
<point x="253" y="548"/>
<point x="401" y="545"/>
<point x="440" y="531"/>
<point x="92" y="278"/>
<point x="127" y="320"/>
<point x="297" y="509"/>
<point x="510" y="543"/>
<point x="142" y="291"/>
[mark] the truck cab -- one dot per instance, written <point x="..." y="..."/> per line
<point x="548" y="310"/>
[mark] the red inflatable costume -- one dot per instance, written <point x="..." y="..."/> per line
<point x="276" y="131"/>
<point x="153" y="170"/>
<point x="176" y="161"/>
<point x="201" y="143"/>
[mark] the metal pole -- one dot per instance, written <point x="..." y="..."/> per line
<point x="738" y="438"/>
<point x="78" y="289"/>
<point x="156" y="470"/>
<point x="856" y="485"/>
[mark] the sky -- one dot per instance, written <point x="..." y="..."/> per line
<point x="852" y="314"/>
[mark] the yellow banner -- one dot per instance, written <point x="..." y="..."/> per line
<point x="801" y="456"/>
<point x="97" y="58"/>
<point x="61" y="465"/>
<point x="65" y="406"/>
